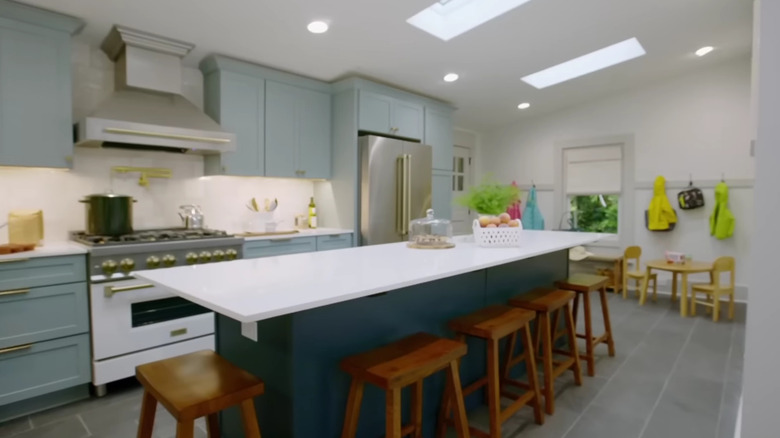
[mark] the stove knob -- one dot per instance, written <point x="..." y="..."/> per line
<point x="152" y="262"/>
<point x="169" y="260"/>
<point x="205" y="256"/>
<point x="231" y="254"/>
<point x="109" y="267"/>
<point x="192" y="258"/>
<point x="219" y="255"/>
<point x="126" y="265"/>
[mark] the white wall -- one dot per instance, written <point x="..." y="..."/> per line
<point x="698" y="123"/>
<point x="57" y="191"/>
<point x="761" y="387"/>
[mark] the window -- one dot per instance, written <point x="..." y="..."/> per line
<point x="593" y="183"/>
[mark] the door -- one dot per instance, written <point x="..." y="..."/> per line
<point x="380" y="165"/>
<point x="314" y="147"/>
<point x="419" y="179"/>
<point x="461" y="181"/>
<point x="281" y="130"/>
<point x="374" y="112"/>
<point x="407" y="120"/>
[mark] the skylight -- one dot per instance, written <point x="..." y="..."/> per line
<point x="594" y="61"/>
<point x="447" y="19"/>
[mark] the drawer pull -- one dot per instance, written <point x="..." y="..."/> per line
<point x="109" y="291"/>
<point x="281" y="240"/>
<point x="17" y="348"/>
<point x="178" y="332"/>
<point x="14" y="292"/>
<point x="13" y="260"/>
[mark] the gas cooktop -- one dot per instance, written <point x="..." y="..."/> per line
<point x="148" y="236"/>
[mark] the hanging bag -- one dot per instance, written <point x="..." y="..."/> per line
<point x="690" y="198"/>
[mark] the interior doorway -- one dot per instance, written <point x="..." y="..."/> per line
<point x="461" y="182"/>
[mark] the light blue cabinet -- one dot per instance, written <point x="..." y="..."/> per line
<point x="277" y="247"/>
<point x="237" y="102"/>
<point x="22" y="273"/>
<point x="35" y="86"/>
<point x="297" y="132"/>
<point x="334" y="241"/>
<point x="442" y="194"/>
<point x="383" y="114"/>
<point x="439" y="134"/>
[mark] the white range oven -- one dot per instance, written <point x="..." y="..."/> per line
<point x="135" y="322"/>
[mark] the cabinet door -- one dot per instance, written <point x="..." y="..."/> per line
<point x="281" y="130"/>
<point x="237" y="102"/>
<point x="277" y="247"/>
<point x="439" y="135"/>
<point x="314" y="132"/>
<point x="442" y="195"/>
<point x="374" y="112"/>
<point x="407" y="120"/>
<point x="35" y="96"/>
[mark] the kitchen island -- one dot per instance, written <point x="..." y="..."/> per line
<point x="291" y="319"/>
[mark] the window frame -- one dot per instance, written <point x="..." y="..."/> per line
<point x="625" y="197"/>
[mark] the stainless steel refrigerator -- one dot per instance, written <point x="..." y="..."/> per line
<point x="395" y="187"/>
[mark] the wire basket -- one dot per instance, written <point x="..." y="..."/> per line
<point x="506" y="237"/>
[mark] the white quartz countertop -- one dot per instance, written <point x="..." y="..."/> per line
<point x="256" y="289"/>
<point x="302" y="233"/>
<point x="48" y="250"/>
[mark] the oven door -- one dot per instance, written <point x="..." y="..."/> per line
<point x="130" y="315"/>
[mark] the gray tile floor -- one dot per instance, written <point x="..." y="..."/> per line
<point x="671" y="377"/>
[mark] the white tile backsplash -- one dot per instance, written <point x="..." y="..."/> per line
<point x="57" y="192"/>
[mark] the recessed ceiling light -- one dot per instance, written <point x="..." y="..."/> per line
<point x="704" y="50"/>
<point x="451" y="77"/>
<point x="317" y="27"/>
<point x="524" y="105"/>
<point x="594" y="61"/>
<point x="447" y="19"/>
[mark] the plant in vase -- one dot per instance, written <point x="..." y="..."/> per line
<point x="491" y="201"/>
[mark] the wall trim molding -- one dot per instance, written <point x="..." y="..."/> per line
<point x="702" y="184"/>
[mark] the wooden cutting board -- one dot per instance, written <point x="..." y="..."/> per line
<point x="11" y="248"/>
<point x="272" y="233"/>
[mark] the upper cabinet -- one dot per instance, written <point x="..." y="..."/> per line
<point x="35" y="86"/>
<point x="389" y="115"/>
<point x="439" y="134"/>
<point x="282" y="121"/>
<point x="297" y="133"/>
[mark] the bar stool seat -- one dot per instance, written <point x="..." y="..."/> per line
<point x="492" y="324"/>
<point x="545" y="301"/>
<point x="196" y="385"/>
<point x="400" y="364"/>
<point x="584" y="284"/>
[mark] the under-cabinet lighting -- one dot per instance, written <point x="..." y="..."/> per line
<point x="447" y="19"/>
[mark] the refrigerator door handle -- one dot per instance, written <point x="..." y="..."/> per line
<point x="408" y="191"/>
<point x="400" y="194"/>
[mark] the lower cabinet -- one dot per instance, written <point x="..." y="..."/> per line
<point x="334" y="241"/>
<point x="294" y="245"/>
<point x="32" y="370"/>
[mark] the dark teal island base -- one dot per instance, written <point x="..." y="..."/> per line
<point x="298" y="355"/>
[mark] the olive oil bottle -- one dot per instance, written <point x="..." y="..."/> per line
<point x="312" y="213"/>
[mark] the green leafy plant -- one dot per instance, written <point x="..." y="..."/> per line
<point x="489" y="197"/>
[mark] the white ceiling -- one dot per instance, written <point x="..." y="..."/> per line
<point x="372" y="38"/>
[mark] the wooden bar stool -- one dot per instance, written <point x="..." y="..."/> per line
<point x="492" y="324"/>
<point x="584" y="284"/>
<point x="400" y="364"/>
<point x="194" y="385"/>
<point x="556" y="302"/>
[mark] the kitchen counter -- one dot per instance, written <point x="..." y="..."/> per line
<point x="257" y="289"/>
<point x="303" y="233"/>
<point x="48" y="250"/>
<point x="291" y="319"/>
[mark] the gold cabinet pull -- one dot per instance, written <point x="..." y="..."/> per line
<point x="178" y="332"/>
<point x="13" y="260"/>
<point x="14" y="292"/>
<point x="17" y="348"/>
<point x="109" y="291"/>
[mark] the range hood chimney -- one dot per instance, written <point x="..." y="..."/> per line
<point x="147" y="110"/>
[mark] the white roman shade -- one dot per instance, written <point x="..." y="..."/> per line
<point x="593" y="170"/>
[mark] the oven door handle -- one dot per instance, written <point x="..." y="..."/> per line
<point x="109" y="291"/>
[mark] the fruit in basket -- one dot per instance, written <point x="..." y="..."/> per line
<point x="503" y="226"/>
<point x="495" y="221"/>
<point x="514" y="223"/>
<point x="491" y="226"/>
<point x="504" y="218"/>
<point x="484" y="221"/>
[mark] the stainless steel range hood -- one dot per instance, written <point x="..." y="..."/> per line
<point x="147" y="110"/>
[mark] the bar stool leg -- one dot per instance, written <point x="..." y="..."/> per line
<point x="607" y="323"/>
<point x="461" y="421"/>
<point x="249" y="418"/>
<point x="494" y="391"/>
<point x="588" y="336"/>
<point x="549" y="396"/>
<point x="212" y="421"/>
<point x="510" y="354"/>
<point x="417" y="406"/>
<point x="393" y="413"/>
<point x="576" y="308"/>
<point x="571" y="333"/>
<point x="533" y="379"/>
<point x="148" y="409"/>
<point x="353" y="409"/>
<point x="185" y="429"/>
